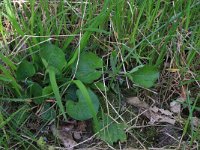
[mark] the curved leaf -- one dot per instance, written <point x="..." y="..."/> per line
<point x="53" y="56"/>
<point x="54" y="60"/>
<point x="145" y="76"/>
<point x="36" y="93"/>
<point x="88" y="66"/>
<point x="25" y="70"/>
<point x="80" y="110"/>
<point x="111" y="131"/>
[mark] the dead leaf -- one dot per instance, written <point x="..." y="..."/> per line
<point x="65" y="135"/>
<point x="77" y="135"/>
<point x="165" y="112"/>
<point x="158" y="116"/>
<point x="135" y="101"/>
<point x="167" y="119"/>
<point x="154" y="114"/>
<point x="175" y="107"/>
<point x="173" y="70"/>
<point x="181" y="99"/>
<point x="67" y="128"/>
<point x="183" y="93"/>
<point x="68" y="141"/>
<point x="154" y="109"/>
<point x="195" y="121"/>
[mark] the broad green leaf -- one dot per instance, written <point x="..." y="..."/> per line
<point x="89" y="67"/>
<point x="145" y="76"/>
<point x="110" y="131"/>
<point x="47" y="91"/>
<point x="136" y="68"/>
<point x="80" y="110"/>
<point x="89" y="102"/>
<point x="36" y="93"/>
<point x="53" y="56"/>
<point x="48" y="112"/>
<point x="25" y="70"/>
<point x="54" y="60"/>
<point x="71" y="93"/>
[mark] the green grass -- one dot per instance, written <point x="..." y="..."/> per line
<point x="125" y="34"/>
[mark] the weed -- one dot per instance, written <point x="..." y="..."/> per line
<point x="66" y="60"/>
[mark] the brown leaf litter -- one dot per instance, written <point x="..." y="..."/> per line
<point x="69" y="133"/>
<point x="154" y="114"/>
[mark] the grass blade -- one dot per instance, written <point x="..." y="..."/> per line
<point x="55" y="89"/>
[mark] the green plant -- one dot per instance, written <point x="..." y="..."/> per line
<point x="76" y="54"/>
<point x="54" y="61"/>
<point x="111" y="131"/>
<point x="144" y="75"/>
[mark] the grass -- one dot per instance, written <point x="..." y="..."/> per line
<point x="125" y="34"/>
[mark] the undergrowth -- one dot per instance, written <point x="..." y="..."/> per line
<point x="62" y="61"/>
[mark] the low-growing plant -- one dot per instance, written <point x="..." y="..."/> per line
<point x="66" y="55"/>
<point x="86" y="104"/>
